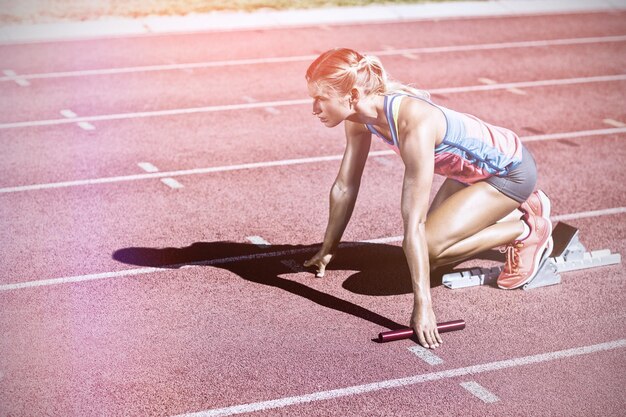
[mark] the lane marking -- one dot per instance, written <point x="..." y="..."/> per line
<point x="281" y="103"/>
<point x="480" y="392"/>
<point x="303" y="58"/>
<point x="514" y="90"/>
<point x="587" y="214"/>
<point x="148" y="167"/>
<point x="278" y="163"/>
<point x="426" y="355"/>
<point x="172" y="183"/>
<point x="529" y="84"/>
<point x="158" y="113"/>
<point x="614" y="123"/>
<point x="86" y="126"/>
<point x="254" y="165"/>
<point x="68" y="114"/>
<point x="12" y="76"/>
<point x="259" y="241"/>
<point x="407" y="381"/>
<point x="243" y="258"/>
<point x="517" y="91"/>
<point x="573" y="135"/>
<point x="386" y="162"/>
<point x="487" y="81"/>
<point x="294" y="266"/>
<point x="272" y="110"/>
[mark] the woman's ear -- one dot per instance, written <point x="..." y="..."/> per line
<point x="355" y="95"/>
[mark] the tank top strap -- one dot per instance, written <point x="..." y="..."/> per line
<point x="392" y="108"/>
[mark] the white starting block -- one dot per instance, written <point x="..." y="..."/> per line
<point x="569" y="254"/>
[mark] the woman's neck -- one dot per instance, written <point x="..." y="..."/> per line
<point x="370" y="110"/>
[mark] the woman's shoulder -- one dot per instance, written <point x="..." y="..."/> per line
<point x="415" y="111"/>
<point x="419" y="114"/>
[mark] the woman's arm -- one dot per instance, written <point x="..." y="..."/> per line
<point x="343" y="193"/>
<point x="417" y="143"/>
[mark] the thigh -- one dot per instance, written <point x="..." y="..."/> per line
<point x="465" y="213"/>
<point x="446" y="190"/>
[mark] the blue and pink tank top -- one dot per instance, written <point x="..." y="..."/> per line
<point x="471" y="150"/>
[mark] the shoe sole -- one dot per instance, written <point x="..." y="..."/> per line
<point x="539" y="260"/>
<point x="545" y="204"/>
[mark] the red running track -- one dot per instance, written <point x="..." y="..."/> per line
<point x="100" y="323"/>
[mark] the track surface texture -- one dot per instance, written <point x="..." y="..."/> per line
<point x="123" y="295"/>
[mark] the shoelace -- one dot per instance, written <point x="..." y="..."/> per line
<point x="512" y="264"/>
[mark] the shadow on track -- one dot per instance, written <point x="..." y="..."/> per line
<point x="381" y="269"/>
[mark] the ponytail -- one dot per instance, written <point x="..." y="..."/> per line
<point x="342" y="69"/>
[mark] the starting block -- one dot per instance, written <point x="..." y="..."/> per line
<point x="568" y="254"/>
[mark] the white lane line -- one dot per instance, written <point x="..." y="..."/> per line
<point x="272" y="110"/>
<point x="587" y="214"/>
<point x="12" y="76"/>
<point x="480" y="392"/>
<point x="281" y="103"/>
<point x="86" y="126"/>
<point x="517" y="91"/>
<point x="254" y="165"/>
<point x="243" y="258"/>
<point x="307" y="58"/>
<point x="574" y="135"/>
<point x="487" y="81"/>
<point x="148" y="167"/>
<point x="529" y="84"/>
<point x="615" y="123"/>
<point x="285" y="162"/>
<point x="514" y="90"/>
<point x="158" y="113"/>
<point x="386" y="162"/>
<point x="294" y="266"/>
<point x="407" y="381"/>
<point x="172" y="183"/>
<point x="259" y="241"/>
<point x="426" y="355"/>
<point x="68" y="114"/>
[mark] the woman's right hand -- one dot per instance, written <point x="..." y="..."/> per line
<point x="319" y="262"/>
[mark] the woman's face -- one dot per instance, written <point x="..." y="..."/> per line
<point x="327" y="106"/>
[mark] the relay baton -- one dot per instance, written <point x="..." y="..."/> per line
<point x="447" y="326"/>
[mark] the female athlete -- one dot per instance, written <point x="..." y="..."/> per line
<point x="486" y="201"/>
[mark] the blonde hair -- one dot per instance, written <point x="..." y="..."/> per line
<point x="342" y="69"/>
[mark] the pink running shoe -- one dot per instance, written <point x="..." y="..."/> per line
<point x="538" y="204"/>
<point x="524" y="257"/>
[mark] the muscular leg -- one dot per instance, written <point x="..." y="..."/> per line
<point x="448" y="188"/>
<point x="466" y="223"/>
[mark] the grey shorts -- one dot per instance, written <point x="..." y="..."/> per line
<point x="519" y="183"/>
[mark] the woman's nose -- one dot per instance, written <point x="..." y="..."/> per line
<point x="316" y="109"/>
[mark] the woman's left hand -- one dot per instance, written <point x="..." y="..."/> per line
<point x="424" y="325"/>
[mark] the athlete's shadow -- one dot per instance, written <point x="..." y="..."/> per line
<point x="381" y="269"/>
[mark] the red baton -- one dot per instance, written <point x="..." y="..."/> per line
<point x="448" y="326"/>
